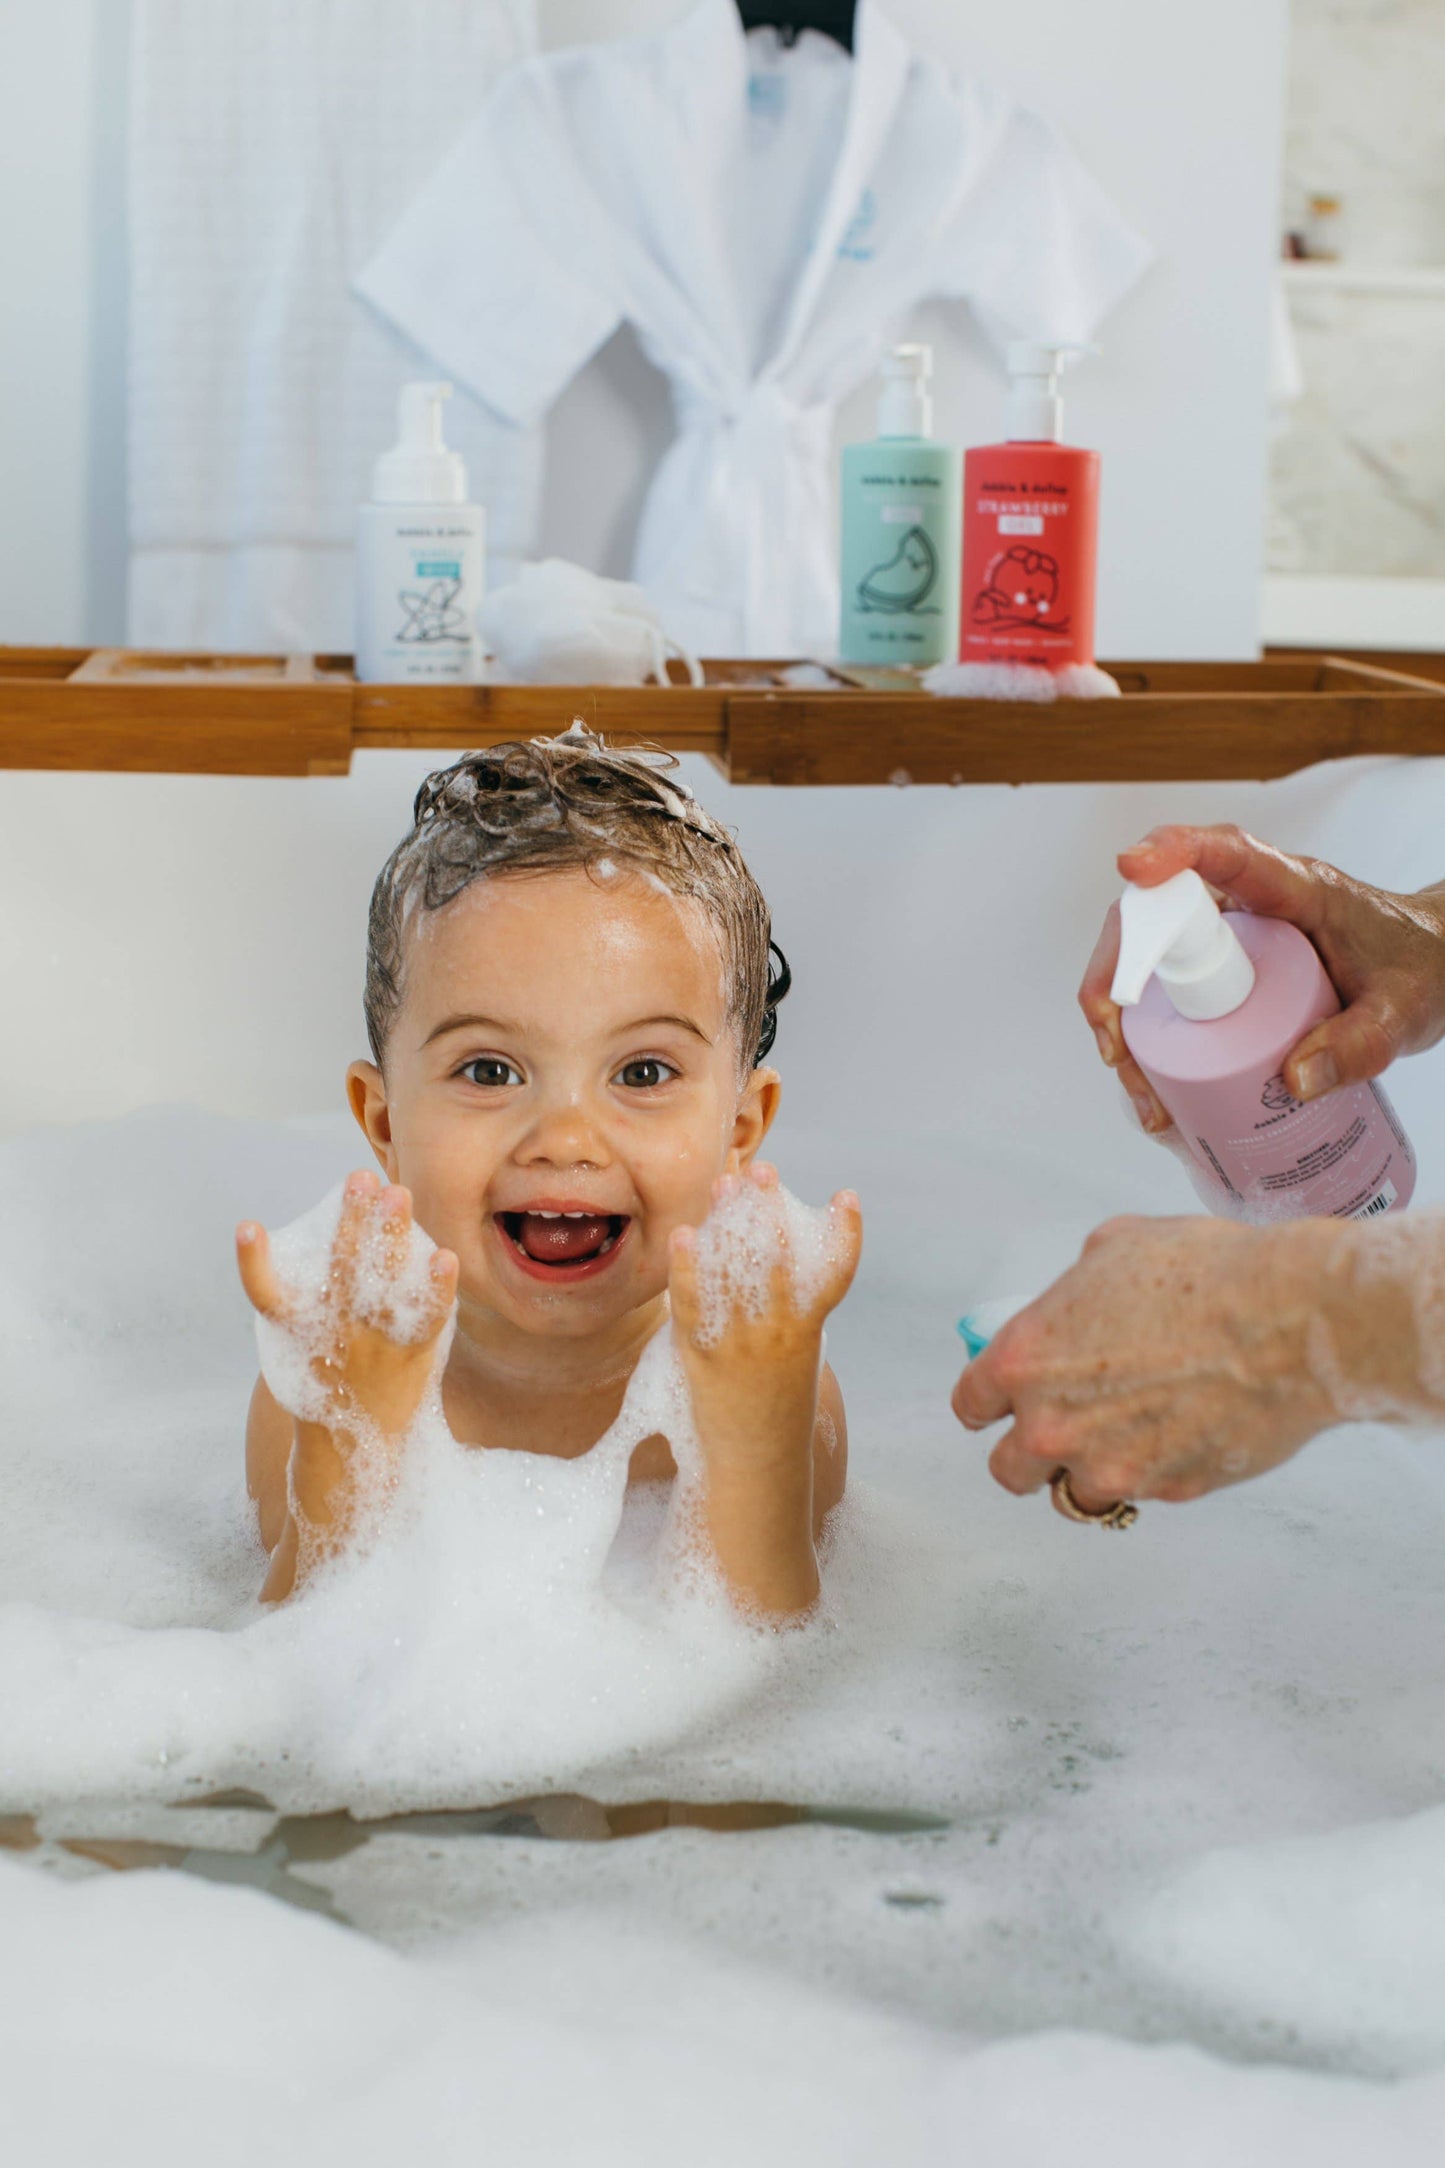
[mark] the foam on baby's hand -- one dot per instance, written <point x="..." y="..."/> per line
<point x="400" y="1303"/>
<point x="740" y="1245"/>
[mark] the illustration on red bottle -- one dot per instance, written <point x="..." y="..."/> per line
<point x="1021" y="588"/>
<point x="1030" y="528"/>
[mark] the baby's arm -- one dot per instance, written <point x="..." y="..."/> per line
<point x="770" y="1421"/>
<point x="830" y="1450"/>
<point x="366" y="1382"/>
<point x="270" y="1435"/>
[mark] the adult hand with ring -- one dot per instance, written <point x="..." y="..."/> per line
<point x="1180" y="1355"/>
<point x="1384" y="952"/>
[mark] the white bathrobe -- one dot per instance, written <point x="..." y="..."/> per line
<point x="764" y="218"/>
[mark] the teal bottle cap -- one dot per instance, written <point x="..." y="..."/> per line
<point x="986" y="1319"/>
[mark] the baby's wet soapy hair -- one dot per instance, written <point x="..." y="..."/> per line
<point x="562" y="803"/>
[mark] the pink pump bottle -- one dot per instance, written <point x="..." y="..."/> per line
<point x="1214" y="1002"/>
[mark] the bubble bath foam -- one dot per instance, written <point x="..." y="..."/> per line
<point x="984" y="1912"/>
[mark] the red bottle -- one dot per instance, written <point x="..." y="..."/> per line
<point x="1030" y="530"/>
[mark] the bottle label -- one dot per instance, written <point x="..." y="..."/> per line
<point x="1022" y="590"/>
<point x="1335" y="1157"/>
<point x="900" y="562"/>
<point x="1030" y="516"/>
<point x="421" y="587"/>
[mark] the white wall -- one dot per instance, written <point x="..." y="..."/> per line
<point x="194" y="939"/>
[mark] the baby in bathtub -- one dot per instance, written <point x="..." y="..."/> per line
<point x="570" y="1001"/>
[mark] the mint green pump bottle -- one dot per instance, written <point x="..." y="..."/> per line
<point x="902" y="528"/>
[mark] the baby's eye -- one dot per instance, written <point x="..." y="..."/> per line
<point x="644" y="1074"/>
<point x="490" y="1069"/>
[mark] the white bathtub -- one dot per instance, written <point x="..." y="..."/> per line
<point x="1093" y="1737"/>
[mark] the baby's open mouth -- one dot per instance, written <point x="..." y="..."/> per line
<point x="563" y="1244"/>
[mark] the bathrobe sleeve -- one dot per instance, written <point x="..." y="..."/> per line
<point x="499" y="270"/>
<point x="1035" y="245"/>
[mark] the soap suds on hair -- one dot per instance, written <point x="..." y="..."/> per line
<point x="558" y="804"/>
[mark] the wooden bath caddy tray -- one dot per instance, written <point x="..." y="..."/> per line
<point x="173" y="713"/>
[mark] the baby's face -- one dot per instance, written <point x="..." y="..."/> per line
<point x="562" y="1088"/>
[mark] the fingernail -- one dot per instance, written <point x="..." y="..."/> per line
<point x="847" y="1200"/>
<point x="248" y="1232"/>
<point x="1106" y="1045"/>
<point x="1143" y="1109"/>
<point x="1319" y="1074"/>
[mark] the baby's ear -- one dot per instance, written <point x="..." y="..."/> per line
<point x="366" y="1091"/>
<point x="757" y="1109"/>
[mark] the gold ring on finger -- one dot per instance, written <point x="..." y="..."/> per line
<point x="1118" y="1515"/>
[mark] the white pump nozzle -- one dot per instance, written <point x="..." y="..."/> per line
<point x="1177" y="931"/>
<point x="419" y="469"/>
<point x="1035" y="410"/>
<point x="904" y="406"/>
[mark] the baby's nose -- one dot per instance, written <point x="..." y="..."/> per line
<point x="565" y="1133"/>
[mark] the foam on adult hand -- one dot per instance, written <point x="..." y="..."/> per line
<point x="748" y="1235"/>
<point x="1409" y="1254"/>
<point x="1019" y="681"/>
<point x="1359" y="1354"/>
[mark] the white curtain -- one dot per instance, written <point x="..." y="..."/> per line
<point x="273" y="145"/>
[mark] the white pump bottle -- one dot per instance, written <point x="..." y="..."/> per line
<point x="420" y="556"/>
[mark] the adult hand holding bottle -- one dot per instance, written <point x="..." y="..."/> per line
<point x="1181" y="1355"/>
<point x="1384" y="952"/>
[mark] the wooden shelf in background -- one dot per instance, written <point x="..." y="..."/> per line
<point x="112" y="709"/>
<point x="120" y="710"/>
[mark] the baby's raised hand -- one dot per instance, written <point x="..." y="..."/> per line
<point x="760" y="1276"/>
<point x="751" y="1289"/>
<point x="364" y="1344"/>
